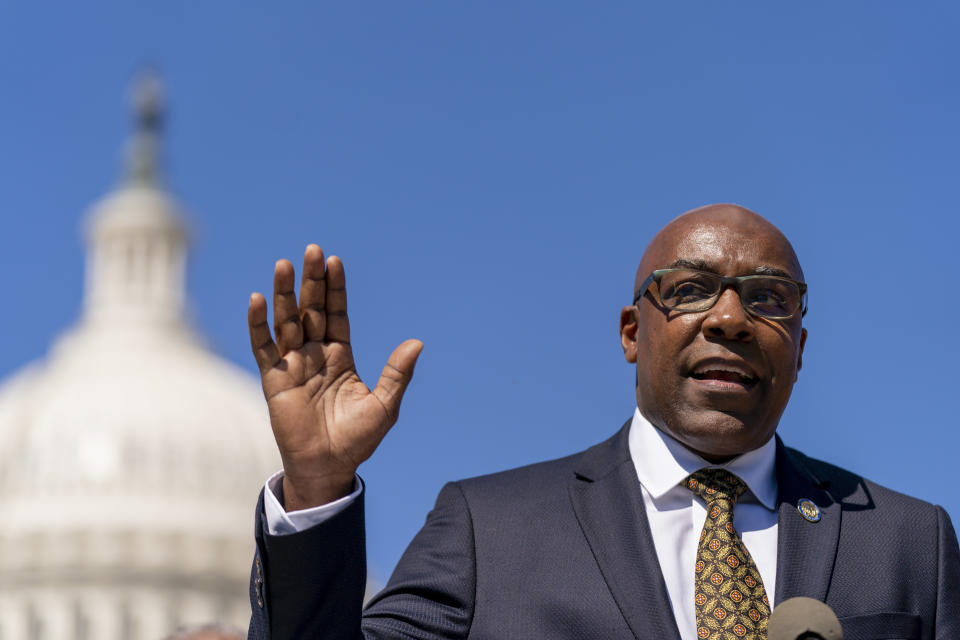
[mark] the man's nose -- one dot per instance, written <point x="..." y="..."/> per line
<point x="727" y="319"/>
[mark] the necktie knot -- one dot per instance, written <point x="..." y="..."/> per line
<point x="716" y="484"/>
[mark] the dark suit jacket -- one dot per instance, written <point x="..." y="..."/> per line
<point x="562" y="549"/>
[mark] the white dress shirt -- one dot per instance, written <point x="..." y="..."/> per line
<point x="675" y="514"/>
<point x="281" y="522"/>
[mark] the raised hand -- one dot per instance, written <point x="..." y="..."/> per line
<point x="325" y="419"/>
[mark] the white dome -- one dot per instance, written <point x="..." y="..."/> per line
<point x="131" y="458"/>
<point x="114" y="418"/>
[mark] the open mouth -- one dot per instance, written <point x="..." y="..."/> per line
<point x="724" y="377"/>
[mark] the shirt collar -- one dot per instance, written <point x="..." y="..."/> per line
<point x="662" y="463"/>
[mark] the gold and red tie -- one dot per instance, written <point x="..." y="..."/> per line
<point x="731" y="602"/>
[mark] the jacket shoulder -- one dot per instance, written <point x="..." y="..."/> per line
<point x="526" y="479"/>
<point x="553" y="475"/>
<point x="853" y="490"/>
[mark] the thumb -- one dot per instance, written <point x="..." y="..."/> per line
<point x="396" y="376"/>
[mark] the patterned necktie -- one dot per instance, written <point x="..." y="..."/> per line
<point x="731" y="602"/>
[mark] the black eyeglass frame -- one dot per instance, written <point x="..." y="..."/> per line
<point x="725" y="281"/>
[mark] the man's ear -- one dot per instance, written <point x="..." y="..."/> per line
<point x="628" y="333"/>
<point x="803" y="341"/>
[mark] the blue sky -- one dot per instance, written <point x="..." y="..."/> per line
<point x="490" y="174"/>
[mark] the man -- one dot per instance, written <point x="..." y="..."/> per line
<point x="692" y="521"/>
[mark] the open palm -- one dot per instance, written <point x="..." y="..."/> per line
<point x="325" y="419"/>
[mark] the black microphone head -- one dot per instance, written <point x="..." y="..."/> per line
<point x="803" y="619"/>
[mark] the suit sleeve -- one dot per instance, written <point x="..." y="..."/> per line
<point x="313" y="581"/>
<point x="948" y="582"/>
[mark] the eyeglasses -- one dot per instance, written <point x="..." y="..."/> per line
<point x="691" y="290"/>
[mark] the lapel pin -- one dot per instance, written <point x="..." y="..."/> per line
<point x="809" y="510"/>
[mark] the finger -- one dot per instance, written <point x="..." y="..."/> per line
<point x="396" y="376"/>
<point x="338" y="324"/>
<point x="261" y="343"/>
<point x="286" y="316"/>
<point x="313" y="289"/>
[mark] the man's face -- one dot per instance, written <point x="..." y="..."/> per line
<point x="716" y="380"/>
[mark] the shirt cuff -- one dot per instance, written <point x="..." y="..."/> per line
<point x="281" y="522"/>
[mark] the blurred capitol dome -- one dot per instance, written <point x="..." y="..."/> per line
<point x="130" y="458"/>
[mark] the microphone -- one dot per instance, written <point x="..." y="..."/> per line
<point x="803" y="619"/>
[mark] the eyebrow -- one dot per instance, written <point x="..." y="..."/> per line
<point x="703" y="265"/>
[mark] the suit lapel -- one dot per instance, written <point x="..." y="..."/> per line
<point x="608" y="503"/>
<point x="806" y="550"/>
